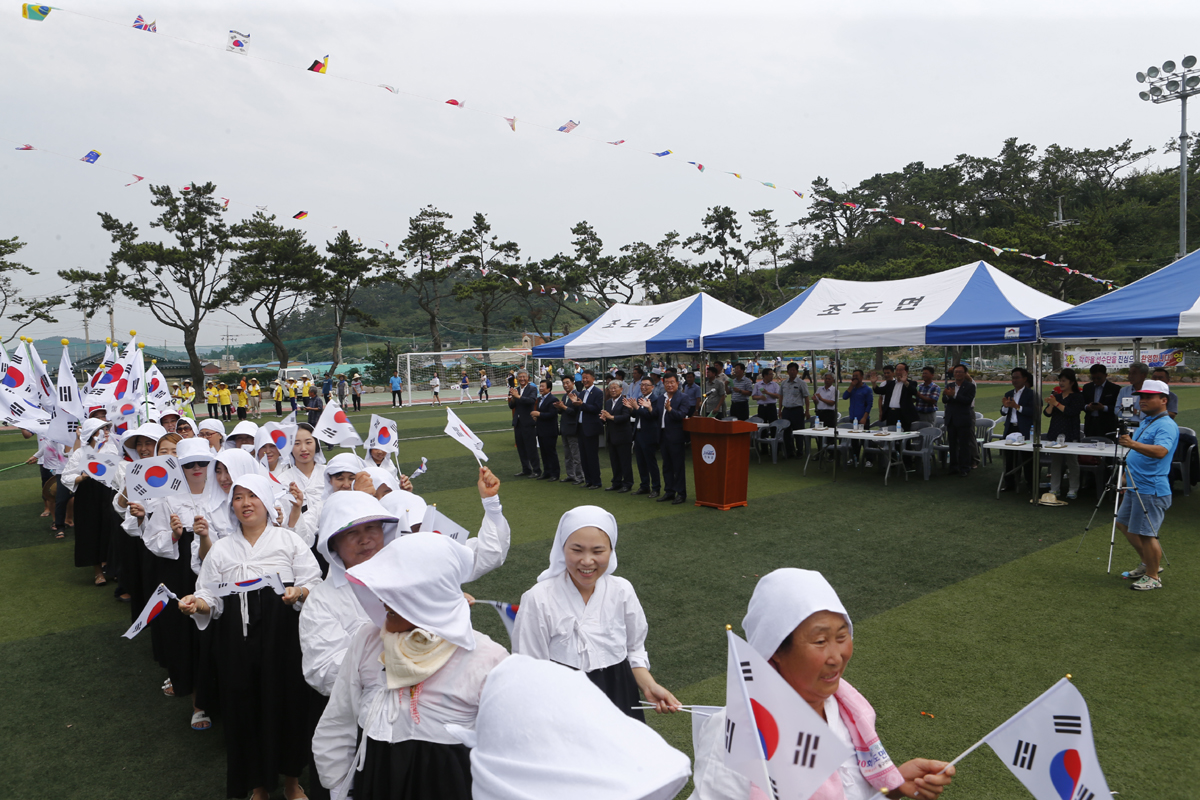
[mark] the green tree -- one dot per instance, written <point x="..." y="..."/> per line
<point x="769" y="245"/>
<point x="721" y="234"/>
<point x="430" y="248"/>
<point x="662" y="275"/>
<point x="347" y="273"/>
<point x="176" y="282"/>
<point x="13" y="307"/>
<point x="275" y="272"/>
<point x="493" y="260"/>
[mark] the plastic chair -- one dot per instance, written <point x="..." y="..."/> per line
<point x="920" y="426"/>
<point x="926" y="451"/>
<point x="835" y="451"/>
<point x="1099" y="470"/>
<point x="1182" y="463"/>
<point x="778" y="435"/>
<point x="983" y="435"/>
<point x="755" y="437"/>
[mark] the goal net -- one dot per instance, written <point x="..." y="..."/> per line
<point x="479" y="366"/>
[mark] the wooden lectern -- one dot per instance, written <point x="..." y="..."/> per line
<point x="720" y="460"/>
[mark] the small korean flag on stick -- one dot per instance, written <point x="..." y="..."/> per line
<point x="335" y="427"/>
<point x="160" y="476"/>
<point x="1048" y="746"/>
<point x="507" y="612"/>
<point x="439" y="523"/>
<point x="154" y="607"/>
<point x="103" y="467"/>
<point x="383" y="434"/>
<point x="464" y="436"/>
<point x="772" y="736"/>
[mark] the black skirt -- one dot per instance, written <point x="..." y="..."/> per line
<point x="618" y="683"/>
<point x="264" y="699"/>
<point x="174" y="636"/>
<point x="414" y="770"/>
<point x="94" y="523"/>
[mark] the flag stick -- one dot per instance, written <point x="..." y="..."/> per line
<point x="1002" y="725"/>
<point x="14" y="466"/>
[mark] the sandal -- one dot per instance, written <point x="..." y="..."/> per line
<point x="167" y="688"/>
<point x="101" y="580"/>
<point x="59" y="534"/>
<point x="201" y="721"/>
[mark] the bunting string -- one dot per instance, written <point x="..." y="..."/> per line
<point x="998" y="251"/>
<point x="239" y="44"/>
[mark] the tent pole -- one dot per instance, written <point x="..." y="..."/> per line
<point x="1037" y="422"/>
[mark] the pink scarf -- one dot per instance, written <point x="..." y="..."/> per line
<point x="873" y="761"/>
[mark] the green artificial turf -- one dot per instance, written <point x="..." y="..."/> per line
<point x="965" y="607"/>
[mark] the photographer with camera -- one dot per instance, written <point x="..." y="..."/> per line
<point x="1148" y="466"/>
<point x="1127" y="401"/>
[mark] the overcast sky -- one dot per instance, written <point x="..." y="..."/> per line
<point x="778" y="91"/>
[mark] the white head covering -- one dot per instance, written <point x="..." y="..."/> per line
<point x="573" y="520"/>
<point x="420" y="577"/>
<point x="214" y="425"/>
<point x="243" y="428"/>
<point x="188" y="421"/>
<point x="409" y="508"/>
<point x="343" y="511"/>
<point x="381" y="477"/>
<point x="265" y="436"/>
<point x="151" y="430"/>
<point x="189" y="450"/>
<point x="263" y="489"/>
<point x="196" y="449"/>
<point x="781" y="601"/>
<point x="343" y="462"/>
<point x="239" y="463"/>
<point x="541" y="726"/>
<point x="88" y="428"/>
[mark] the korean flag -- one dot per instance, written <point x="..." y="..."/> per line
<point x="772" y="736"/>
<point x="1048" y="746"/>
<point x="160" y="476"/>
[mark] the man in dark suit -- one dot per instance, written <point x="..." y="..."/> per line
<point x="646" y="411"/>
<point x="570" y="433"/>
<point x="589" y="403"/>
<point x="618" y="438"/>
<point x="898" y="398"/>
<point x="1100" y="413"/>
<point x="675" y="408"/>
<point x="959" y="399"/>
<point x="546" y="417"/>
<point x="521" y="399"/>
<point x="1020" y="404"/>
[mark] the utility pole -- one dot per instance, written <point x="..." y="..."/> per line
<point x="87" y="340"/>
<point x="112" y="328"/>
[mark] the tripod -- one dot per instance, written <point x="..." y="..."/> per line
<point x="1114" y="483"/>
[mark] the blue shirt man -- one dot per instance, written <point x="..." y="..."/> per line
<point x="395" y="382"/>
<point x="1151" y="475"/>
<point x="861" y="398"/>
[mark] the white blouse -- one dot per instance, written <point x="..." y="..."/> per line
<point x="332" y="614"/>
<point x="714" y="781"/>
<point x="361" y="699"/>
<point x="156" y="532"/>
<point x="234" y="559"/>
<point x="555" y="624"/>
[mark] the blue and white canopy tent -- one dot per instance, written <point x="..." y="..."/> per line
<point x="1163" y="305"/>
<point x="975" y="304"/>
<point x="683" y="326"/>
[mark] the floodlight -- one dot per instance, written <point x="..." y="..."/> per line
<point x="1152" y="72"/>
<point x="1141" y="77"/>
<point x="1156" y="90"/>
<point x="1144" y="95"/>
<point x="1168" y="66"/>
<point x="1192" y="82"/>
<point x="1189" y="62"/>
<point x="1172" y="86"/>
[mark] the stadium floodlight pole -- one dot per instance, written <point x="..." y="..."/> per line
<point x="1166" y="85"/>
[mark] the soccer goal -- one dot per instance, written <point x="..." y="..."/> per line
<point x="488" y="369"/>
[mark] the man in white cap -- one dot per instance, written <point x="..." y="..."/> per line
<point x="1148" y="484"/>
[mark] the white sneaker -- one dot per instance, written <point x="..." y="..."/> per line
<point x="867" y="464"/>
